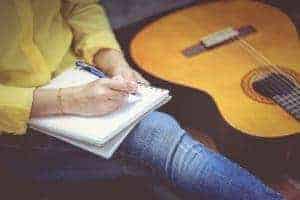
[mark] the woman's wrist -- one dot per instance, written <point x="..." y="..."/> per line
<point x="44" y="103"/>
<point x="67" y="99"/>
<point x="53" y="101"/>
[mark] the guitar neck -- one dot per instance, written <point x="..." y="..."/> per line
<point x="290" y="102"/>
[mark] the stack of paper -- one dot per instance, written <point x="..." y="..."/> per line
<point x="100" y="135"/>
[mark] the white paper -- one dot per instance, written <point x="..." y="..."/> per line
<point x="97" y="131"/>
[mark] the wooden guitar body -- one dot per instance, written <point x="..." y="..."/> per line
<point x="227" y="72"/>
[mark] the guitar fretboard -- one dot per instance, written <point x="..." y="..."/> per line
<point x="282" y="90"/>
<point x="290" y="102"/>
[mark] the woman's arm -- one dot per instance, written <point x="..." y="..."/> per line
<point x="18" y="105"/>
<point x="94" y="39"/>
<point x="96" y="98"/>
<point x="90" y="26"/>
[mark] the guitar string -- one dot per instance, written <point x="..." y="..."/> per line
<point x="272" y="67"/>
<point x="265" y="61"/>
<point x="293" y="98"/>
<point x="286" y="103"/>
<point x="259" y="54"/>
<point x="259" y="62"/>
<point x="291" y="103"/>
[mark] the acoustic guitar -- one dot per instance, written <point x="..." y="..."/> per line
<point x="244" y="54"/>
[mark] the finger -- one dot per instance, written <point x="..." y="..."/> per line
<point x="140" y="78"/>
<point x="129" y="75"/>
<point x="111" y="104"/>
<point x="116" y="95"/>
<point x="118" y="77"/>
<point x="116" y="84"/>
<point x="113" y="107"/>
<point x="116" y="102"/>
<point x="132" y="85"/>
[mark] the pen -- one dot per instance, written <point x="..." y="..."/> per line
<point x="81" y="65"/>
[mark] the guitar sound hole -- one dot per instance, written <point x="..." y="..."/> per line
<point x="282" y="89"/>
<point x="261" y="85"/>
<point x="274" y="84"/>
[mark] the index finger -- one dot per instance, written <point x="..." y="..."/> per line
<point x="118" y="84"/>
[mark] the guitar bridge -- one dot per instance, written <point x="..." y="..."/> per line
<point x="216" y="39"/>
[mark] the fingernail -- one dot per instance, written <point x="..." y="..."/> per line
<point x="132" y="84"/>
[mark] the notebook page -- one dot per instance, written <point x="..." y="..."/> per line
<point x="97" y="130"/>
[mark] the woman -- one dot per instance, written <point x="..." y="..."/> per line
<point x="39" y="39"/>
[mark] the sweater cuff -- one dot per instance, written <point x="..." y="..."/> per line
<point x="15" y="116"/>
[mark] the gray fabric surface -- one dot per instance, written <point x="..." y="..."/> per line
<point x="125" y="12"/>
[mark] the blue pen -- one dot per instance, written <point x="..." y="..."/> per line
<point x="81" y="65"/>
<point x="89" y="68"/>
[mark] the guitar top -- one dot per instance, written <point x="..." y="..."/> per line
<point x="253" y="78"/>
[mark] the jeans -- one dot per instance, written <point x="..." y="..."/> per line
<point x="157" y="147"/>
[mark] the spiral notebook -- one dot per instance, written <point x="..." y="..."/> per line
<point x="100" y="135"/>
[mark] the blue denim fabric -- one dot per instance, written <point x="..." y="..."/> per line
<point x="157" y="147"/>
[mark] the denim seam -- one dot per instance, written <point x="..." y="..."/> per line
<point x="220" y="175"/>
<point x="171" y="154"/>
<point x="185" y="148"/>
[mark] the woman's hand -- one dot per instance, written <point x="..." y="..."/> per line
<point x="97" y="98"/>
<point x="129" y="74"/>
<point x="113" y="63"/>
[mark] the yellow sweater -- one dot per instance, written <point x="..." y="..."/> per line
<point x="40" y="38"/>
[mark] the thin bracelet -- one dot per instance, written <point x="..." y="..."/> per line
<point x="60" y="103"/>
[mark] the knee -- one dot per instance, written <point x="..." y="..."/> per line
<point x="153" y="139"/>
<point x="159" y="123"/>
<point x="156" y="130"/>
